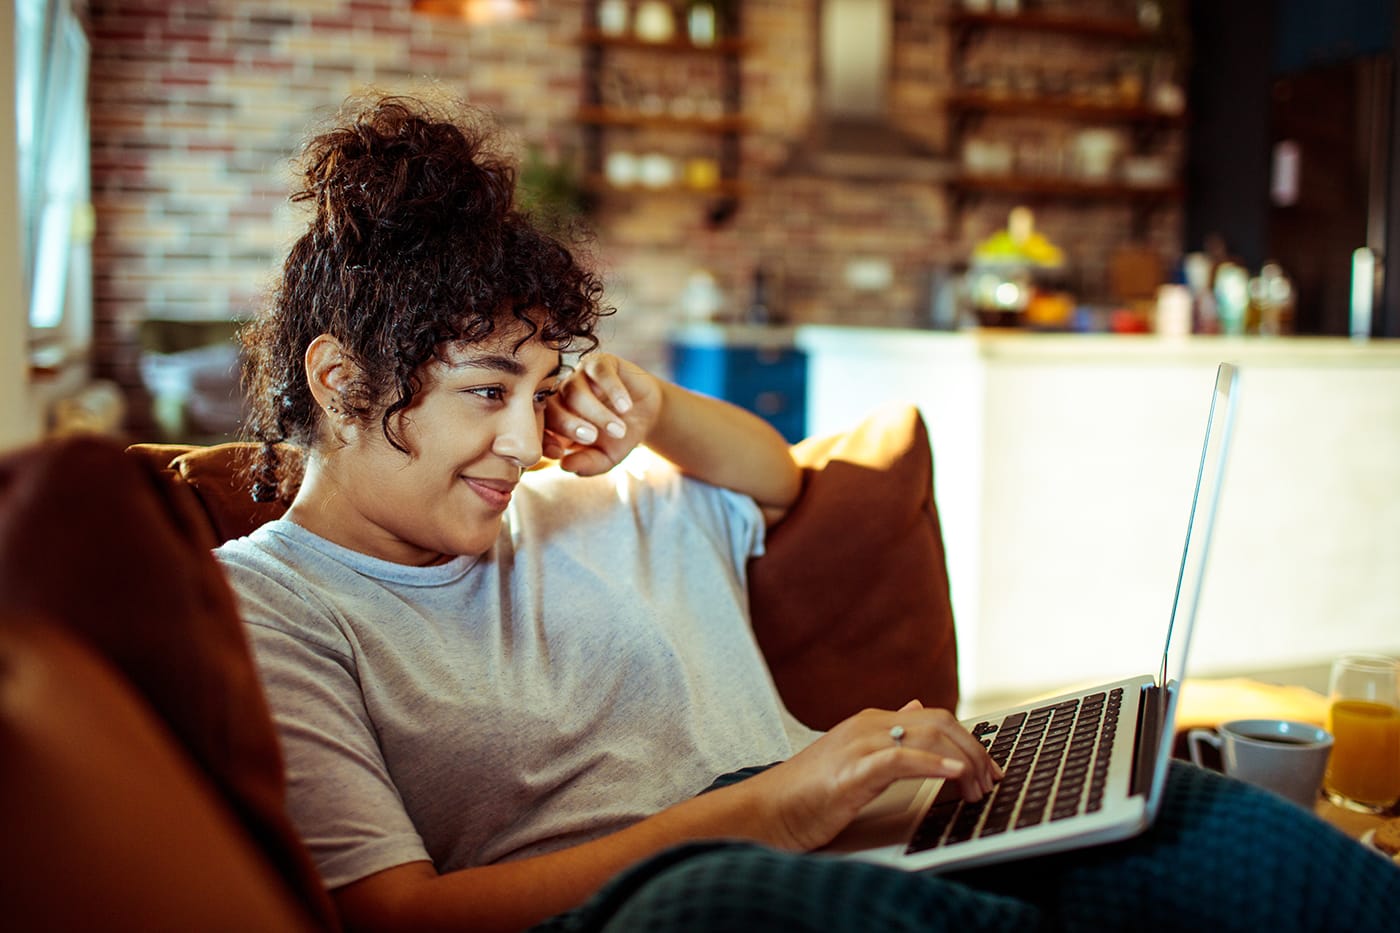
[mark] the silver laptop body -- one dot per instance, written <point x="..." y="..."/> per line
<point x="1082" y="768"/>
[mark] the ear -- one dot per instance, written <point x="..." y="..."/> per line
<point x="329" y="372"/>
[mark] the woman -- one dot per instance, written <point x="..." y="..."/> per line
<point x="498" y="689"/>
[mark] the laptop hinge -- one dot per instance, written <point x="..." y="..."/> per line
<point x="1149" y="737"/>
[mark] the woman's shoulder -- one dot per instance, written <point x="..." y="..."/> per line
<point x="269" y="548"/>
<point x="271" y="577"/>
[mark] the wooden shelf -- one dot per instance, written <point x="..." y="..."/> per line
<point x="719" y="47"/>
<point x="971" y="106"/>
<point x="608" y="116"/>
<point x="976" y="102"/>
<point x="1064" y="188"/>
<point x="605" y="125"/>
<point x="725" y="188"/>
<point x="1119" y="29"/>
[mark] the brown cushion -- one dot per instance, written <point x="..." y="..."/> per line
<point x="850" y="602"/>
<point x="107" y="823"/>
<point x="102" y="544"/>
<point x="217" y="477"/>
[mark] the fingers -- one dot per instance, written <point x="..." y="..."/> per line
<point x="587" y="461"/>
<point x="937" y="733"/>
<point x="591" y="403"/>
<point x="872" y="774"/>
<point x="822" y="788"/>
<point x="553" y="447"/>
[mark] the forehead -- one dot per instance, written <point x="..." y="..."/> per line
<point x="509" y="354"/>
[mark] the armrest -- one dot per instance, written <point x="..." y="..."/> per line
<point x="108" y="824"/>
<point x="103" y="546"/>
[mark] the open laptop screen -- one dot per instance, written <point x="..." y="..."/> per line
<point x="1190" y="579"/>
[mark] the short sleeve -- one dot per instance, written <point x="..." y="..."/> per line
<point x="339" y="792"/>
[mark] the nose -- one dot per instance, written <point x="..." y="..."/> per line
<point x="520" y="437"/>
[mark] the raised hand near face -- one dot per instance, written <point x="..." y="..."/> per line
<point x="601" y="411"/>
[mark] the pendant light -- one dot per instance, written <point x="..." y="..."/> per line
<point x="477" y="12"/>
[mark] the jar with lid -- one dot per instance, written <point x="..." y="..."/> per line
<point x="655" y="21"/>
<point x="612" y="17"/>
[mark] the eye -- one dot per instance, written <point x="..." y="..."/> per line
<point x="544" y="395"/>
<point x="490" y="393"/>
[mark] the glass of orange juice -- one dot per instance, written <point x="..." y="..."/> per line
<point x="1363" y="772"/>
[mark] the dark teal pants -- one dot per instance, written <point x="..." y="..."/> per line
<point x="1222" y="856"/>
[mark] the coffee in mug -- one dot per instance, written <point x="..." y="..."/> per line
<point x="1280" y="755"/>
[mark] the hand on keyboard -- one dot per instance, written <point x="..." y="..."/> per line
<point x="814" y="795"/>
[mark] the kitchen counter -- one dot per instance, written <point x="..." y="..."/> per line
<point x="1063" y="470"/>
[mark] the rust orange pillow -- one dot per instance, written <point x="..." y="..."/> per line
<point x="102" y="544"/>
<point x="108" y="824"/>
<point x="217" y="477"/>
<point x="851" y="603"/>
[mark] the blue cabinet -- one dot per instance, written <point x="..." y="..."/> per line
<point x="767" y="377"/>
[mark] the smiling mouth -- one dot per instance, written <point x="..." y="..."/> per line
<point x="494" y="493"/>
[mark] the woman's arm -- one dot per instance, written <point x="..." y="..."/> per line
<point x="798" y="805"/>
<point x="514" y="895"/>
<point x="609" y="406"/>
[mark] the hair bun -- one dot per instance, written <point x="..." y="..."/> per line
<point x="397" y="170"/>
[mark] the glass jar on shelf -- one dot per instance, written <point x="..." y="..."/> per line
<point x="702" y="23"/>
<point x="612" y="17"/>
<point x="655" y="21"/>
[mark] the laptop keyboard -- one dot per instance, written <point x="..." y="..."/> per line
<point x="1055" y="760"/>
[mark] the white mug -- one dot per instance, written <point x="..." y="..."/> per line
<point x="1285" y="757"/>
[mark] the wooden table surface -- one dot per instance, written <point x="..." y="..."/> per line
<point x="1348" y="821"/>
<point x="1209" y="702"/>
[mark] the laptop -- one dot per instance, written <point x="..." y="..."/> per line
<point x="1082" y="768"/>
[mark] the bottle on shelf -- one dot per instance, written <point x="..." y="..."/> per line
<point x="759" y="310"/>
<point x="655" y="21"/>
<point x="701" y="23"/>
<point x="612" y="17"/>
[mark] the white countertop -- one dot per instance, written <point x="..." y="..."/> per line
<point x="1062" y="471"/>
<point x="1016" y="345"/>
<point x="755" y="336"/>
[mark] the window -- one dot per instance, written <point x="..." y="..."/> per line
<point x="52" y="53"/>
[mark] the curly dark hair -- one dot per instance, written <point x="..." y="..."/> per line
<point x="415" y="242"/>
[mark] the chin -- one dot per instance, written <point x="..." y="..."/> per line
<point x="477" y="544"/>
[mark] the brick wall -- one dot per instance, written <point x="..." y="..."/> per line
<point x="197" y="105"/>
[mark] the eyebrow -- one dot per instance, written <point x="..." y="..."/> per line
<point x="501" y="363"/>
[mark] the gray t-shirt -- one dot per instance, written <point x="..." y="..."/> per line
<point x="595" y="666"/>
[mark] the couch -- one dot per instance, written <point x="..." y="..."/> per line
<point x="140" y="779"/>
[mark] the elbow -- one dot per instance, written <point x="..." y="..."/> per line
<point x="786" y="491"/>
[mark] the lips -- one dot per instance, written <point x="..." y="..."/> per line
<point x="494" y="492"/>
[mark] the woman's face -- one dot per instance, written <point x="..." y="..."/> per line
<point x="476" y="424"/>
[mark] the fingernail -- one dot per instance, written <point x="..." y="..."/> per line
<point x="622" y="404"/>
<point x="617" y="428"/>
<point x="586" y="433"/>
